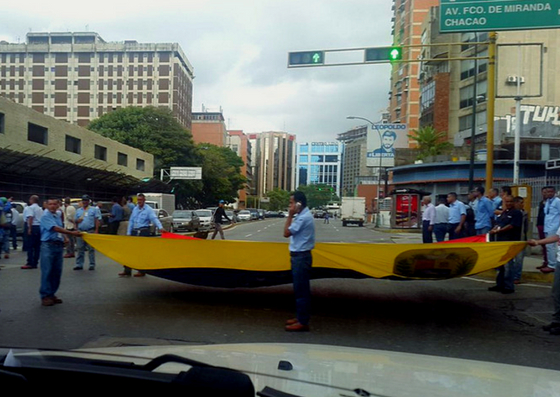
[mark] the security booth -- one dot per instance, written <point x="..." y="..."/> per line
<point x="407" y="208"/>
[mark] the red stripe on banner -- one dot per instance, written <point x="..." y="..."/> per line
<point x="481" y="238"/>
<point x="165" y="234"/>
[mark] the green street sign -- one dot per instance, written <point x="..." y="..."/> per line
<point x="497" y="15"/>
<point x="383" y="54"/>
<point x="306" y="58"/>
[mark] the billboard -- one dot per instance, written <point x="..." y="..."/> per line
<point x="187" y="173"/>
<point x="382" y="139"/>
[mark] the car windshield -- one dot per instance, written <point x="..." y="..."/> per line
<point x="203" y="213"/>
<point x="182" y="214"/>
<point x="389" y="172"/>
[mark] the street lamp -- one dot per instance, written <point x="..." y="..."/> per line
<point x="373" y="126"/>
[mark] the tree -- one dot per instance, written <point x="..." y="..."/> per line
<point x="318" y="195"/>
<point x="153" y="130"/>
<point x="430" y="142"/>
<point x="279" y="199"/>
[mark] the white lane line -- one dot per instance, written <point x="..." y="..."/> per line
<point x="249" y="235"/>
<point x="494" y="282"/>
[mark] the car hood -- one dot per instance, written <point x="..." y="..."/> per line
<point x="319" y="370"/>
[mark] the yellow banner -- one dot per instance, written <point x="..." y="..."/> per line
<point x="407" y="261"/>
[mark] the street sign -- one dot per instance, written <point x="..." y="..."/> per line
<point x="383" y="54"/>
<point x="306" y="58"/>
<point x="188" y="173"/>
<point x="497" y="15"/>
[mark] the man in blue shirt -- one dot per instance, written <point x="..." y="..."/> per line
<point x="87" y="220"/>
<point x="139" y="225"/>
<point x="116" y="216"/>
<point x="551" y="226"/>
<point x="32" y="218"/>
<point x="301" y="232"/>
<point x="484" y="212"/>
<point x="457" y="216"/>
<point x="52" y="250"/>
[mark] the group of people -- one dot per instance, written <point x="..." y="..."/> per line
<point x="503" y="217"/>
<point x="47" y="229"/>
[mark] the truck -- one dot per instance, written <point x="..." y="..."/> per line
<point x="353" y="211"/>
<point x="163" y="201"/>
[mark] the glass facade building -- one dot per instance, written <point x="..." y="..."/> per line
<point x="319" y="163"/>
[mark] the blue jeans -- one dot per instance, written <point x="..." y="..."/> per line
<point x="6" y="240"/>
<point x="440" y="230"/>
<point x="81" y="246"/>
<point x="51" y="268"/>
<point x="483" y="230"/>
<point x="556" y="297"/>
<point x="13" y="235"/>
<point x="301" y="273"/>
<point x="551" y="250"/>
<point x="518" y="265"/>
<point x="34" y="246"/>
<point x="504" y="279"/>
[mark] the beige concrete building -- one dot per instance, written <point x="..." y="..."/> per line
<point x="354" y="159"/>
<point x="273" y="159"/>
<point x="39" y="152"/>
<point x="77" y="77"/>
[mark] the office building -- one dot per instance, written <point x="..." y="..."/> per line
<point x="239" y="142"/>
<point x="354" y="159"/>
<point x="78" y="77"/>
<point x="272" y="162"/>
<point x="209" y="127"/>
<point x="319" y="163"/>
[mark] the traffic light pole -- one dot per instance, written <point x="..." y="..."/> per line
<point x="490" y="111"/>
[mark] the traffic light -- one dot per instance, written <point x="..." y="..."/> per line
<point x="306" y="58"/>
<point x="383" y="54"/>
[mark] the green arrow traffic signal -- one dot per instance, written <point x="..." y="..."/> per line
<point x="306" y="58"/>
<point x="383" y="54"/>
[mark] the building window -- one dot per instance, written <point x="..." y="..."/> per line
<point x="100" y="153"/>
<point x="122" y="159"/>
<point x="73" y="144"/>
<point x="38" y="134"/>
<point x="303" y="158"/>
<point x="140" y="164"/>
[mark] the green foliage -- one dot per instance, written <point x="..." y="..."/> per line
<point x="430" y="142"/>
<point x="318" y="195"/>
<point x="279" y="199"/>
<point x="154" y="130"/>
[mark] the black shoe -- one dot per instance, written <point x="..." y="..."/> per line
<point x="92" y="268"/>
<point x="495" y="289"/>
<point x="78" y="268"/>
<point x="508" y="291"/>
<point x="550" y="326"/>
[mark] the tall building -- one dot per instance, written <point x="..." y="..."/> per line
<point x="240" y="144"/>
<point x="354" y="159"/>
<point x="209" y="127"/>
<point x="319" y="163"/>
<point x="272" y="161"/>
<point x="448" y="95"/>
<point x="404" y="97"/>
<point x="77" y="77"/>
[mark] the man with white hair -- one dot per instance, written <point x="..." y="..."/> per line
<point x="428" y="219"/>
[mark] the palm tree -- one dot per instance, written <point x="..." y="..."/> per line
<point x="430" y="142"/>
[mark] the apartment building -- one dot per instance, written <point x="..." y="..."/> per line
<point x="209" y="127"/>
<point x="239" y="142"/>
<point x="78" y="77"/>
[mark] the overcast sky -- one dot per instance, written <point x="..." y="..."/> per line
<point x="239" y="52"/>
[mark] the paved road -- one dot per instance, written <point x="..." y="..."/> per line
<point x="455" y="318"/>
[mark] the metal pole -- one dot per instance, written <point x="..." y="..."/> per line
<point x="490" y="111"/>
<point x="517" y="144"/>
<point x="473" y="128"/>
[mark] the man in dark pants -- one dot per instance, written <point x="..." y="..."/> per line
<point x="508" y="228"/>
<point x="33" y="221"/>
<point x="301" y="232"/>
<point x="428" y="220"/>
<point x="217" y="217"/>
<point x="116" y="216"/>
<point x="52" y="250"/>
<point x="457" y="216"/>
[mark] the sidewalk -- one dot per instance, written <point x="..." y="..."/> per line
<point x="530" y="263"/>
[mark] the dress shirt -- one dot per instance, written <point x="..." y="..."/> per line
<point x="35" y="212"/>
<point x="142" y="217"/>
<point x="117" y="212"/>
<point x="89" y="215"/>
<point x="552" y="215"/>
<point x="48" y="222"/>
<point x="442" y="214"/>
<point x="69" y="216"/>
<point x="456" y="209"/>
<point x="302" y="232"/>
<point x="429" y="214"/>
<point x="484" y="213"/>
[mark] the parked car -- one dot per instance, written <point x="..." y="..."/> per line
<point x="319" y="214"/>
<point x="205" y="217"/>
<point x="166" y="221"/>
<point x="261" y="214"/>
<point x="185" y="220"/>
<point x="244" y="215"/>
<point x="254" y="214"/>
<point x="231" y="215"/>
<point x="272" y="214"/>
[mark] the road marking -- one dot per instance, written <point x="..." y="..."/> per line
<point x="249" y="235"/>
<point x="493" y="282"/>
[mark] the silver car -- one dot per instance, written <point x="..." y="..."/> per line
<point x="205" y="217"/>
<point x="20" y="206"/>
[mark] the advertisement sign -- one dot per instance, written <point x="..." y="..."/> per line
<point x="382" y="139"/>
<point x="407" y="210"/>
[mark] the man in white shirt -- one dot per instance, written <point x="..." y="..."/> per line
<point x="441" y="219"/>
<point x="69" y="215"/>
<point x="428" y="220"/>
<point x="33" y="216"/>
